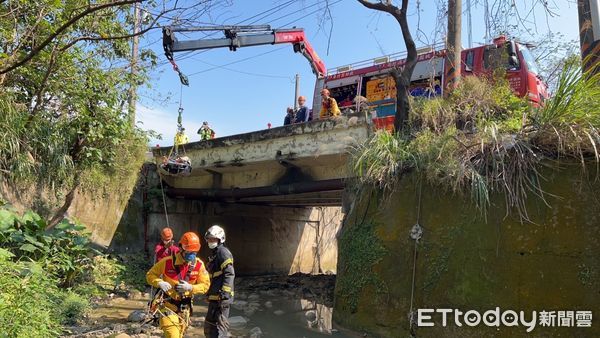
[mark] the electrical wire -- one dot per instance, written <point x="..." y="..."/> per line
<point x="261" y="54"/>
<point x="237" y="61"/>
<point x="275" y="10"/>
<point x="260" y="16"/>
<point x="244" y="72"/>
<point x="309" y="14"/>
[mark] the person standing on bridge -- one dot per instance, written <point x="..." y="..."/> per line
<point x="302" y="112"/>
<point x="179" y="276"/>
<point x="329" y="106"/>
<point x="290" y="117"/>
<point x="166" y="246"/>
<point x="206" y="133"/>
<point x="220" y="294"/>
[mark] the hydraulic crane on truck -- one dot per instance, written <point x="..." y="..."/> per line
<point x="244" y="36"/>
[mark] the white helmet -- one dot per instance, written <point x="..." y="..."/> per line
<point x="215" y="231"/>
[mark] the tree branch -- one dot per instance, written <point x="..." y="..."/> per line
<point x="127" y="36"/>
<point x="380" y="6"/>
<point x="42" y="87"/>
<point x="402" y="79"/>
<point x="62" y="28"/>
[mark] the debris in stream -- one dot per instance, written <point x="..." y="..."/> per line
<point x="298" y="302"/>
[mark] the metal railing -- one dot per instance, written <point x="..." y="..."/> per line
<point x="384" y="59"/>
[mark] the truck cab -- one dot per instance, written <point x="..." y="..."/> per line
<point x="515" y="58"/>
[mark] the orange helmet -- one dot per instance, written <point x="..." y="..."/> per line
<point x="166" y="234"/>
<point x="190" y="242"/>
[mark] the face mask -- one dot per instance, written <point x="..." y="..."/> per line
<point x="189" y="256"/>
<point x="213" y="245"/>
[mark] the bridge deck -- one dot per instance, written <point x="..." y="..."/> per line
<point x="302" y="164"/>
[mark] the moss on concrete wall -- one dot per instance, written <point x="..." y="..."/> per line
<point x="467" y="262"/>
<point x="100" y="209"/>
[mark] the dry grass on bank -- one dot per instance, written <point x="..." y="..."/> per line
<point x="483" y="139"/>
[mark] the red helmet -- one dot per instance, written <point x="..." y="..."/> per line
<point x="190" y="242"/>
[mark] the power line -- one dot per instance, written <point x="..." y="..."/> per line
<point x="268" y="52"/>
<point x="244" y="72"/>
<point x="274" y="10"/>
<point x="307" y="15"/>
<point x="237" y="61"/>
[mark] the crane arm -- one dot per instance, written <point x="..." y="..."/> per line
<point x="244" y="36"/>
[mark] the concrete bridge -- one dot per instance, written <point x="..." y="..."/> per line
<point x="295" y="166"/>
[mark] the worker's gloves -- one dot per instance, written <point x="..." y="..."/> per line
<point x="164" y="286"/>
<point x="183" y="286"/>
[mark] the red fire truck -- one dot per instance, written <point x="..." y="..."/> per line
<point x="372" y="79"/>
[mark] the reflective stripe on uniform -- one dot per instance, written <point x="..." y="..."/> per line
<point x="227" y="261"/>
<point x="226" y="288"/>
<point x="214" y="297"/>
<point x="216" y="274"/>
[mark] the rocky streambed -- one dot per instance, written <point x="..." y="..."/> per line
<point x="265" y="306"/>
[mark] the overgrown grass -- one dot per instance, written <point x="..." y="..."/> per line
<point x="29" y="300"/>
<point x="483" y="139"/>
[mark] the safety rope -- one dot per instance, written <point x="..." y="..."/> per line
<point x="415" y="233"/>
<point x="162" y="189"/>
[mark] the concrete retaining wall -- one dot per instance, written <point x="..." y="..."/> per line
<point x="100" y="214"/>
<point x="466" y="262"/>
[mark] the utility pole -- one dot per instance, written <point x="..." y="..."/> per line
<point x="453" y="44"/>
<point x="297" y="92"/>
<point x="470" y="24"/>
<point x="589" y="34"/>
<point x="134" y="61"/>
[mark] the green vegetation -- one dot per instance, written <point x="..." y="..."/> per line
<point x="51" y="274"/>
<point x="63" y="101"/>
<point x="28" y="300"/>
<point x="64" y="251"/>
<point x="483" y="139"/>
<point x="73" y="307"/>
<point x="363" y="250"/>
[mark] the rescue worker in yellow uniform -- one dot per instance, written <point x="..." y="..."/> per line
<point x="220" y="294"/>
<point x="180" y="276"/>
<point x="181" y="138"/>
<point x="329" y="106"/>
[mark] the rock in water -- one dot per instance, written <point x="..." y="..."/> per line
<point x="237" y="322"/>
<point x="352" y="121"/>
<point x="137" y="316"/>
<point x="239" y="304"/>
<point x="278" y="312"/>
<point x="256" y="332"/>
<point x="268" y="304"/>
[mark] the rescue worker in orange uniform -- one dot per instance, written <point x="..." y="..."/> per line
<point x="329" y="106"/>
<point x="166" y="246"/>
<point x="180" y="276"/>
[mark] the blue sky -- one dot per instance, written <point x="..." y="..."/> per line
<point x="257" y="84"/>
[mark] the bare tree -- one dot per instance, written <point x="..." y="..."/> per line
<point x="403" y="77"/>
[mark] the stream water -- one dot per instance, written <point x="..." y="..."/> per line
<point x="273" y="306"/>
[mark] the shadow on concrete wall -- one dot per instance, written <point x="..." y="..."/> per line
<point x="263" y="239"/>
